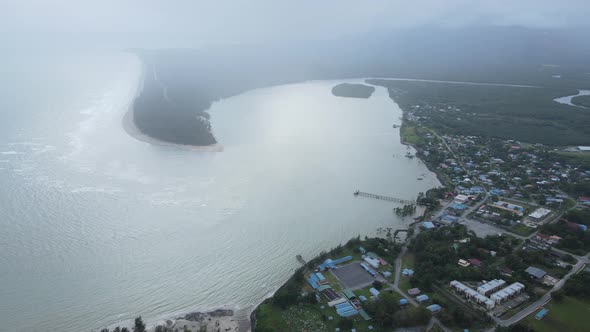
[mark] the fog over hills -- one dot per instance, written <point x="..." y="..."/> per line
<point x="196" y="77"/>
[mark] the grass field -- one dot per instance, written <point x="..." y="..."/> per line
<point x="571" y="315"/>
<point x="410" y="135"/>
<point x="522" y="230"/>
<point x="304" y="318"/>
<point x="269" y="316"/>
<point x="333" y="281"/>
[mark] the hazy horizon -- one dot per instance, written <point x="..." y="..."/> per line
<point x="160" y="24"/>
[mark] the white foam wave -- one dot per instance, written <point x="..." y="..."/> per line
<point x="96" y="190"/>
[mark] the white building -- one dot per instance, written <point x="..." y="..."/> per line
<point x="507" y="293"/>
<point x="472" y="295"/>
<point x="461" y="199"/>
<point x="539" y="213"/>
<point x="372" y="261"/>
<point x="490" y="286"/>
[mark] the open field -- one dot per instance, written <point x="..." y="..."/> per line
<point x="572" y="315"/>
<point x="522" y="230"/>
<point x="410" y="135"/>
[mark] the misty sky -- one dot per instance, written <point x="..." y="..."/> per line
<point x="192" y="22"/>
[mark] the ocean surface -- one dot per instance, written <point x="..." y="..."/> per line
<point x="98" y="227"/>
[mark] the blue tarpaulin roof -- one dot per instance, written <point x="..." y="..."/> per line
<point x="434" y="308"/>
<point x="313" y="283"/>
<point x="331" y="264"/>
<point x="458" y="206"/>
<point x="428" y="225"/>
<point x="542" y="313"/>
<point x="422" y="298"/>
<point x="408" y="272"/>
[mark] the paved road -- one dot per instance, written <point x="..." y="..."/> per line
<point x="581" y="260"/>
<point x="437" y="322"/>
<point x="398" y="269"/>
<point x="543" y="300"/>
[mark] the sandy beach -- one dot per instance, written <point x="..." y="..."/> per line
<point x="134" y="132"/>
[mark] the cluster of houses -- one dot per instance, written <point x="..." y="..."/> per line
<point x="541" y="241"/>
<point x="507" y="168"/>
<point x="489" y="294"/>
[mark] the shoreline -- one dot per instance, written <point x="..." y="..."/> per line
<point x="228" y="319"/>
<point x="132" y="130"/>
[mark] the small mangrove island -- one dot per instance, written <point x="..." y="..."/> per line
<point x="353" y="90"/>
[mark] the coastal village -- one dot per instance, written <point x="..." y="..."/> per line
<point x="494" y="248"/>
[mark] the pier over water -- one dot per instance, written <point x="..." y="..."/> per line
<point x="385" y="198"/>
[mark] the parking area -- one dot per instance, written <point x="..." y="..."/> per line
<point x="482" y="229"/>
<point x="353" y="276"/>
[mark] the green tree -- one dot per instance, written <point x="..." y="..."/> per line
<point x="139" y="325"/>
<point x="345" y="323"/>
<point x="377" y="284"/>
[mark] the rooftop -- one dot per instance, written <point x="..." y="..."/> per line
<point x="535" y="272"/>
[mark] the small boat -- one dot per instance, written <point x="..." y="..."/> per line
<point x="420" y="178"/>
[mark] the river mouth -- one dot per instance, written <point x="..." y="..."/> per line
<point x="178" y="231"/>
<point x="567" y="100"/>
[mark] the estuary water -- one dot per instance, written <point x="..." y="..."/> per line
<point x="98" y="227"/>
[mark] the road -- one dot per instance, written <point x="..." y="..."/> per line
<point x="581" y="260"/>
<point x="543" y="300"/>
<point x="435" y="321"/>
<point x="460" y="162"/>
<point x="395" y="285"/>
<point x="398" y="271"/>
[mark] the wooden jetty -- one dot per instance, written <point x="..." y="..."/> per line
<point x="385" y="198"/>
<point x="301" y="260"/>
